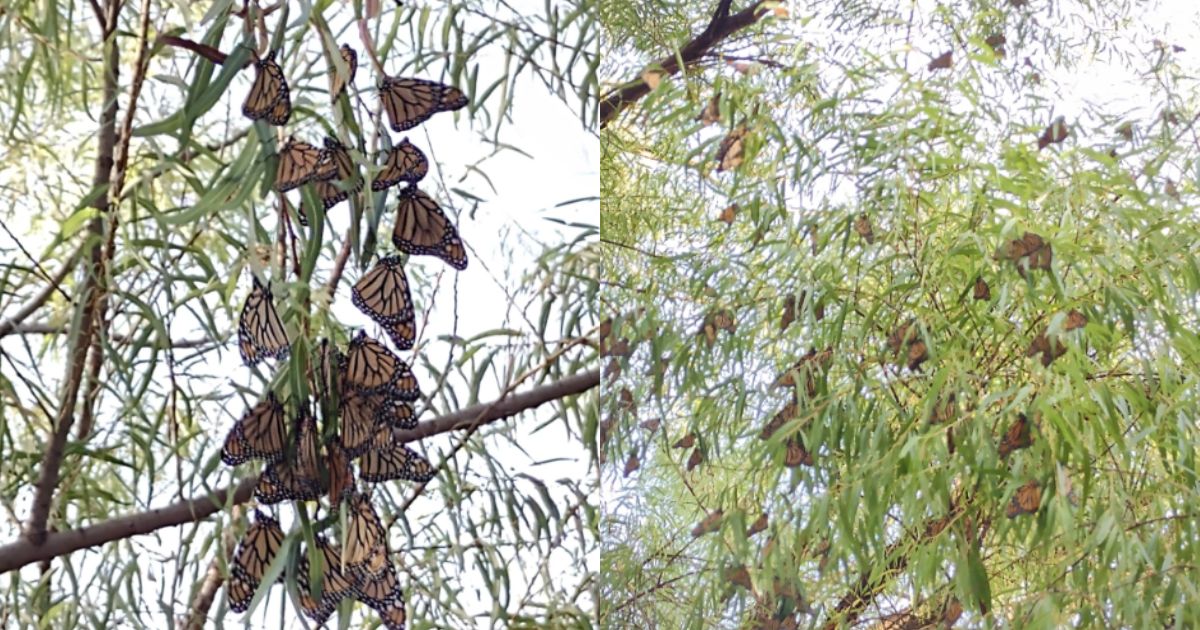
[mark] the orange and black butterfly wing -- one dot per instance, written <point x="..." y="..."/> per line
<point x="395" y="461"/>
<point x="299" y="163"/>
<point x="371" y="368"/>
<point x="340" y="81"/>
<point x="397" y="414"/>
<point x="422" y="229"/>
<point x="254" y="554"/>
<point x="382" y="592"/>
<point x="364" y="531"/>
<point x="359" y="414"/>
<point x="260" y="331"/>
<point x="410" y="102"/>
<point x="383" y="295"/>
<point x="404" y="163"/>
<point x="267" y="92"/>
<point x="342" y="176"/>
<point x="335" y="583"/>
<point x="260" y="434"/>
<point x="282" y="481"/>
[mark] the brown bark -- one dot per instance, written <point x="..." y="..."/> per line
<point x="48" y="474"/>
<point x="720" y="28"/>
<point x="22" y="552"/>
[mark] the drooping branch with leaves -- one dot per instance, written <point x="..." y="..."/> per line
<point x="898" y="337"/>
<point x="141" y="199"/>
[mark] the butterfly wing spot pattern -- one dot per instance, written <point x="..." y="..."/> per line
<point x="260" y="434"/>
<point x="1026" y="501"/>
<point x="410" y="102"/>
<point x="254" y="554"/>
<point x="268" y="97"/>
<point x="260" y="331"/>
<point x="422" y="229"/>
<point x="383" y="295"/>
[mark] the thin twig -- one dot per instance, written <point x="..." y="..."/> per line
<point x="11" y="324"/>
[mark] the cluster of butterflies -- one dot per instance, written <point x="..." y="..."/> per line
<point x="364" y="394"/>
<point x="421" y="228"/>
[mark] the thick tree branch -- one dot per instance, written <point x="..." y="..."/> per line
<point x="93" y="289"/>
<point x="22" y="552"/>
<point x="720" y="28"/>
<point x="47" y="329"/>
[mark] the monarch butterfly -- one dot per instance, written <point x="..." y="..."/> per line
<point x="337" y="177"/>
<point x="1016" y="437"/>
<point x="283" y="481"/>
<point x="307" y="451"/>
<point x="397" y="414"/>
<point x="260" y="333"/>
<point x="298" y="165"/>
<point x="382" y="294"/>
<point x="261" y="433"/>
<point x="422" y="229"/>
<point x="268" y="95"/>
<point x="360" y="413"/>
<point x="383" y="593"/>
<point x="385" y="462"/>
<point x="373" y="369"/>
<point x="410" y="102"/>
<point x="1025" y="501"/>
<point x="339" y="81"/>
<point x="254" y="554"/>
<point x="341" y="476"/>
<point x="404" y="163"/>
<point x="364" y="532"/>
<point x="335" y="584"/>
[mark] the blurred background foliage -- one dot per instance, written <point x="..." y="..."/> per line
<point x="980" y="430"/>
<point x="507" y="534"/>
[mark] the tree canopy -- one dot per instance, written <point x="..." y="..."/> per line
<point x="146" y="193"/>
<point x="901" y="314"/>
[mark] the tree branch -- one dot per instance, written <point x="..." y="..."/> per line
<point x="11" y="324"/>
<point x="93" y="289"/>
<point x="22" y="552"/>
<point x="720" y="28"/>
<point x="47" y="329"/>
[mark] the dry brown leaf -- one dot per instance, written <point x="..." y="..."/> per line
<point x="632" y="464"/>
<point x="695" y="459"/>
<point x="685" y="442"/>
<point x="711" y="523"/>
<point x="942" y="61"/>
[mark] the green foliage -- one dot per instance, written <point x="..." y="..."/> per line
<point x="899" y="506"/>
<point x="505" y="531"/>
